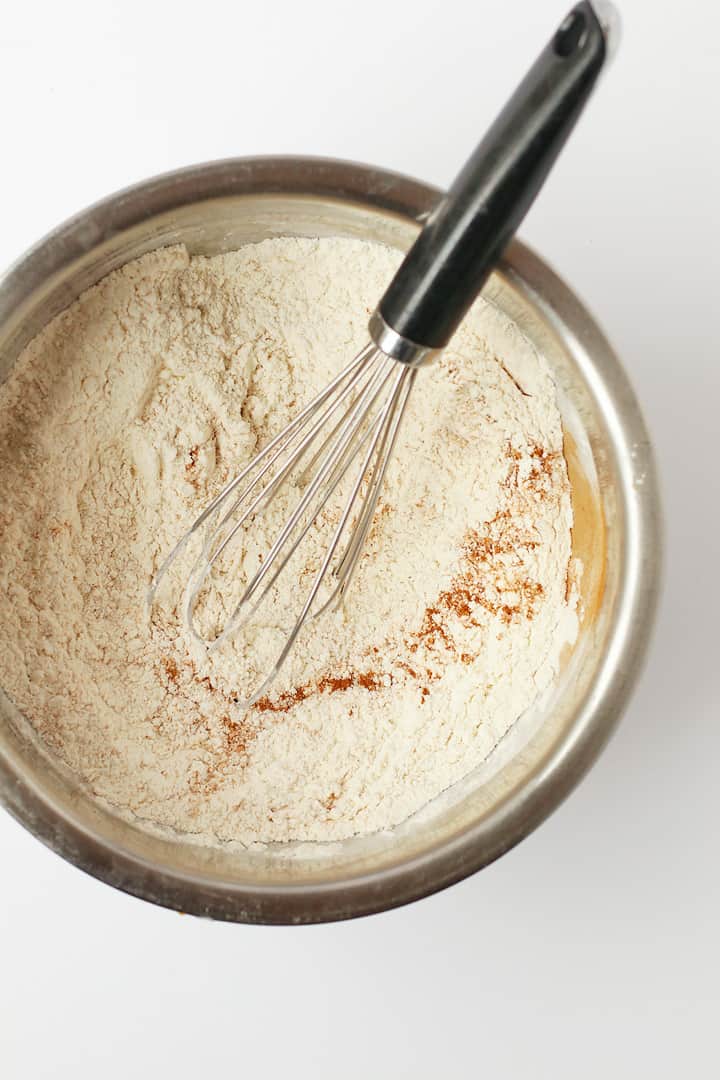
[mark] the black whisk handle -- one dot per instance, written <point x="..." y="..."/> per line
<point x="466" y="234"/>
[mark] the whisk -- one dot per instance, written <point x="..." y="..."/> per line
<point x="340" y="444"/>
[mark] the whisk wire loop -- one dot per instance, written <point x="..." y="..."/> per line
<point x="352" y="423"/>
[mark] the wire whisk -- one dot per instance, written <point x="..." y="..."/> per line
<point x="341" y="443"/>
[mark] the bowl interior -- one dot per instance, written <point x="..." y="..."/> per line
<point x="494" y="806"/>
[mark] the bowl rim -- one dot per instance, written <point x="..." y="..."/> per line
<point x="565" y="764"/>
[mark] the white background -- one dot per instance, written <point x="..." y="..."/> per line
<point x="592" y="949"/>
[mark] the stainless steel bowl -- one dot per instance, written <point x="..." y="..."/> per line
<point x="218" y="207"/>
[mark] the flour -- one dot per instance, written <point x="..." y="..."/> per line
<point x="128" y="413"/>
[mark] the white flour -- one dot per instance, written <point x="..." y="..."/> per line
<point x="124" y="417"/>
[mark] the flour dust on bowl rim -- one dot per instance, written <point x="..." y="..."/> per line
<point x="216" y="208"/>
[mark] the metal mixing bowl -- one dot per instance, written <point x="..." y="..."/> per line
<point x="218" y="207"/>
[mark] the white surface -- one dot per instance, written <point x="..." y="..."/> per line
<point x="592" y="949"/>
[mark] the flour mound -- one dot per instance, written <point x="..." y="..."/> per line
<point x="128" y="413"/>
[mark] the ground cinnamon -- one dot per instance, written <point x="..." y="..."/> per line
<point x="490" y="572"/>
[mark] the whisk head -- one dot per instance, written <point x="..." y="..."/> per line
<point x="336" y="449"/>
